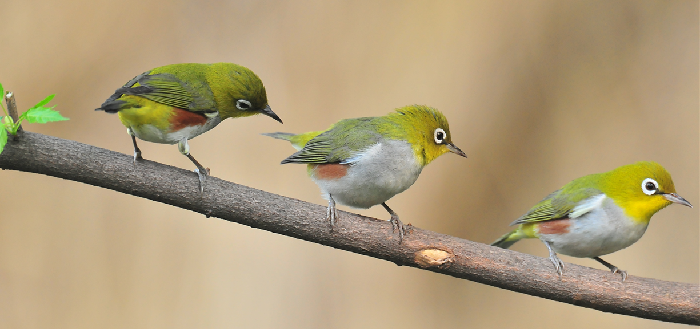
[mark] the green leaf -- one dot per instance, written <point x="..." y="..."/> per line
<point x="43" y="115"/>
<point x="43" y="102"/>
<point x="2" y="92"/>
<point x="7" y="120"/>
<point x="9" y="125"/>
<point x="3" y="139"/>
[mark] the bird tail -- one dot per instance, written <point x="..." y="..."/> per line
<point x="292" y="138"/>
<point x="112" y="105"/>
<point x="509" y="239"/>
<point x="298" y="140"/>
<point x="283" y="136"/>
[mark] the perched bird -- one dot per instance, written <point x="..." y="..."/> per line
<point x="174" y="103"/>
<point x="597" y="214"/>
<point x="364" y="162"/>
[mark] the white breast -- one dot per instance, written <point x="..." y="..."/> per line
<point x="382" y="171"/>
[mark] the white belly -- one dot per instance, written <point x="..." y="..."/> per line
<point x="601" y="231"/>
<point x="384" y="170"/>
<point x="152" y="134"/>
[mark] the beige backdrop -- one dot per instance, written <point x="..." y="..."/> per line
<point x="537" y="93"/>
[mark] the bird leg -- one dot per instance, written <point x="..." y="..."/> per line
<point x="614" y="269"/>
<point x="137" y="151"/>
<point x="558" y="264"/>
<point x="201" y="171"/>
<point x="395" y="222"/>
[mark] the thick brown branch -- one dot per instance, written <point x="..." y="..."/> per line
<point x="582" y="286"/>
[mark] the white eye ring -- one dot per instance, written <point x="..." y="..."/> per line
<point x="243" y="105"/>
<point x="647" y="186"/>
<point x="439" y="135"/>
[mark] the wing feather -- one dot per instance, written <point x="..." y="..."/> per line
<point x="562" y="205"/>
<point x="344" y="141"/>
<point x="164" y="88"/>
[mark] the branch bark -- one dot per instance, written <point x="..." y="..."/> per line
<point x="527" y="274"/>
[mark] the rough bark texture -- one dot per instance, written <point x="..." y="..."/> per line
<point x="581" y="286"/>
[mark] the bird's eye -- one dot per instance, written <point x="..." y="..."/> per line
<point x="650" y="186"/>
<point x="439" y="135"/>
<point x="243" y="105"/>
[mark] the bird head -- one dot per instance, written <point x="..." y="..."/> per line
<point x="641" y="189"/>
<point x="426" y="129"/>
<point x="239" y="92"/>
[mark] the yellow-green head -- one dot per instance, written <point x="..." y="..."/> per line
<point x="641" y="189"/>
<point x="425" y="128"/>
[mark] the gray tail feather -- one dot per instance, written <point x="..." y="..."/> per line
<point x="111" y="106"/>
<point x="506" y="240"/>
<point x="284" y="136"/>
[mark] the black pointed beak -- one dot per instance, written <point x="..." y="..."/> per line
<point x="454" y="149"/>
<point x="268" y="111"/>
<point x="675" y="198"/>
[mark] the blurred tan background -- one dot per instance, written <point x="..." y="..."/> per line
<point x="537" y="93"/>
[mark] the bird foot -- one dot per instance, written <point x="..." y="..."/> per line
<point x="614" y="269"/>
<point x="137" y="156"/>
<point x="396" y="222"/>
<point x="622" y="273"/>
<point x="332" y="216"/>
<point x="137" y="150"/>
<point x="398" y="226"/>
<point x="331" y="212"/>
<point x="558" y="264"/>
<point x="202" y="177"/>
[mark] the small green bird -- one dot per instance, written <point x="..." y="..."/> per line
<point x="597" y="214"/>
<point x="364" y="162"/>
<point x="174" y="103"/>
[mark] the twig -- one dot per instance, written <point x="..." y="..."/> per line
<point x="581" y="286"/>
<point x="12" y="111"/>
